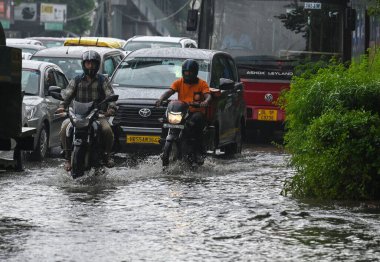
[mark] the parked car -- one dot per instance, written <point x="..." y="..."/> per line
<point x="49" y="41"/>
<point x="37" y="80"/>
<point x="69" y="58"/>
<point x="139" y="42"/>
<point x="144" y="75"/>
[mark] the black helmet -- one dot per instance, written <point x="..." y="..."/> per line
<point x="93" y="56"/>
<point x="190" y="71"/>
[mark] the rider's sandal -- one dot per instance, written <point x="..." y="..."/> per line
<point x="67" y="166"/>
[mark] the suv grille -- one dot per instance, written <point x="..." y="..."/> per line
<point x="128" y="115"/>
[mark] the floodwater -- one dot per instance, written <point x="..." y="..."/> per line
<point x="228" y="210"/>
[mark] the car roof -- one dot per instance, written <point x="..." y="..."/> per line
<point x="94" y="41"/>
<point x="73" y="51"/>
<point x="47" y="38"/>
<point x="168" y="39"/>
<point x="23" y="41"/>
<point x="176" y="52"/>
<point x="31" y="46"/>
<point x="38" y="65"/>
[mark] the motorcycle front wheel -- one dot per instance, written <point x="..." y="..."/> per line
<point x="171" y="153"/>
<point x="78" y="161"/>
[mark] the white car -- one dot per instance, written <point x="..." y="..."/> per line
<point x="139" y="42"/>
<point x="23" y="41"/>
<point x="37" y="80"/>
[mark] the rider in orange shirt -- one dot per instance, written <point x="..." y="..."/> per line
<point x="191" y="89"/>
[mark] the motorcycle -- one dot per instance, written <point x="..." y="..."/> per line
<point x="179" y="142"/>
<point x="84" y="131"/>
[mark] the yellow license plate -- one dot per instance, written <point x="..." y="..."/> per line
<point x="267" y="115"/>
<point x="133" y="139"/>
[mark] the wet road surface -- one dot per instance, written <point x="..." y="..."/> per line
<point x="228" y="210"/>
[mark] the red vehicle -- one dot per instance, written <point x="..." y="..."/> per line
<point x="268" y="39"/>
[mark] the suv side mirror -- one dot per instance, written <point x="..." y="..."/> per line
<point x="192" y="20"/>
<point x="226" y="84"/>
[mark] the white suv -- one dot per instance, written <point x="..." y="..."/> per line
<point x="139" y="42"/>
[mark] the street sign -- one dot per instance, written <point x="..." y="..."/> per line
<point x="311" y="5"/>
<point x="54" y="26"/>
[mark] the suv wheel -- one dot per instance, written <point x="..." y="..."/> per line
<point x="235" y="147"/>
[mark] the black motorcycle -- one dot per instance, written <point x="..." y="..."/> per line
<point x="179" y="143"/>
<point x="84" y="132"/>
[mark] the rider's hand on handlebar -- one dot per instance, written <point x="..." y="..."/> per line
<point x="203" y="104"/>
<point x="60" y="110"/>
<point x="110" y="112"/>
<point x="158" y="102"/>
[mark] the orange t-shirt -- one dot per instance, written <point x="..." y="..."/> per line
<point x="191" y="92"/>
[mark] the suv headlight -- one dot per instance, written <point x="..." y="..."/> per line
<point x="174" y="118"/>
<point x="30" y="111"/>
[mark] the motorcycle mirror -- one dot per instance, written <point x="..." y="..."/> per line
<point x="226" y="84"/>
<point x="56" y="95"/>
<point x="54" y="89"/>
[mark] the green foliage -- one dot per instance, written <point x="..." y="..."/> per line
<point x="333" y="131"/>
<point x="374" y="8"/>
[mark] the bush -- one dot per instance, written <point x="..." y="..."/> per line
<point x="333" y="131"/>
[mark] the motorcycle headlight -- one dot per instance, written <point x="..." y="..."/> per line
<point x="80" y="122"/>
<point x="174" y="118"/>
<point x="30" y="111"/>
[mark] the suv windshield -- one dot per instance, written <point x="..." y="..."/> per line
<point x="154" y="72"/>
<point x="135" y="45"/>
<point x="70" y="66"/>
<point x="30" y="81"/>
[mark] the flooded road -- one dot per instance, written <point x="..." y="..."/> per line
<point x="229" y="210"/>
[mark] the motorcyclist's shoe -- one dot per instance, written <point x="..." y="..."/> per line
<point x="108" y="161"/>
<point x="67" y="166"/>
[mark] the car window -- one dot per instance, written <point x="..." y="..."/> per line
<point x="49" y="80"/>
<point x="216" y="72"/>
<point x="232" y="65"/>
<point x="30" y="81"/>
<point x="61" y="80"/>
<point x="117" y="59"/>
<point x="154" y="72"/>
<point x="109" y="66"/>
<point x="221" y="69"/>
<point x="71" y="67"/>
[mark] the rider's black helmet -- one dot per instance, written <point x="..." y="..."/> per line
<point x="93" y="56"/>
<point x="190" y="71"/>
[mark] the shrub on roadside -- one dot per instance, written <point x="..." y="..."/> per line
<point x="333" y="131"/>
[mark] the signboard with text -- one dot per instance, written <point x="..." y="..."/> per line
<point x="55" y="13"/>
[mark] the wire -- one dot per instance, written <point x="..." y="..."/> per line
<point x="157" y="20"/>
<point x="82" y="15"/>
